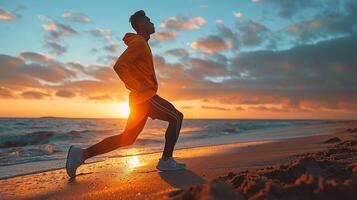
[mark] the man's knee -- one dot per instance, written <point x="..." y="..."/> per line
<point x="127" y="139"/>
<point x="180" y="115"/>
<point x="177" y="118"/>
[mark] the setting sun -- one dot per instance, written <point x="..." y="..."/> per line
<point x="124" y="109"/>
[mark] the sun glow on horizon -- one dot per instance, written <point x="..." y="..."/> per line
<point x="124" y="109"/>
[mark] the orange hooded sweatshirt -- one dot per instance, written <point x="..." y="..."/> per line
<point x="135" y="68"/>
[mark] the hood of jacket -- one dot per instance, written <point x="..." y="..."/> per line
<point x="129" y="37"/>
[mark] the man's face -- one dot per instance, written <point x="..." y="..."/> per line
<point x="149" y="26"/>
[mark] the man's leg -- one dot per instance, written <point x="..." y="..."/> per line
<point x="135" y="124"/>
<point x="163" y="110"/>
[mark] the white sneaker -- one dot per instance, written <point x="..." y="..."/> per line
<point x="74" y="160"/>
<point x="169" y="165"/>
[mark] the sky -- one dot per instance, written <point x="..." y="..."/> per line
<point x="261" y="59"/>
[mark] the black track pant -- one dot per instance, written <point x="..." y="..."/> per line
<point x="155" y="108"/>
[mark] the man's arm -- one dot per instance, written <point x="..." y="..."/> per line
<point x="124" y="63"/>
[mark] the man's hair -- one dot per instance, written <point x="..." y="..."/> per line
<point x="136" y="18"/>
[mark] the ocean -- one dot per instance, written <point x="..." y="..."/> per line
<point x="44" y="142"/>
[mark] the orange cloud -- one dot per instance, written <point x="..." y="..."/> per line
<point x="180" y="23"/>
<point x="254" y="82"/>
<point x="6" y="15"/>
<point x="214" y="107"/>
<point x="51" y="26"/>
<point x="34" y="95"/>
<point x="101" y="98"/>
<point x="112" y="48"/>
<point x="65" y="93"/>
<point x="211" y="44"/>
<point x="5" y="93"/>
<point x="57" y="30"/>
<point x="36" y="57"/>
<point x="164" y="35"/>
<point x="101" y="72"/>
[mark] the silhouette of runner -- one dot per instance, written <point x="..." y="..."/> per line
<point x="135" y="68"/>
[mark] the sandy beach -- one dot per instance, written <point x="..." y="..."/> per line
<point x="317" y="165"/>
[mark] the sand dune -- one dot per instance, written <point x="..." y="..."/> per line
<point x="329" y="174"/>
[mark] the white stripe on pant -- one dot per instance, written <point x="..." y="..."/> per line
<point x="169" y="112"/>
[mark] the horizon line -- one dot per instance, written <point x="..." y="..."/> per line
<point x="58" y="117"/>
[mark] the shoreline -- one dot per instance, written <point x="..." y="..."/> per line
<point x="234" y="140"/>
<point x="242" y="144"/>
<point x="135" y="177"/>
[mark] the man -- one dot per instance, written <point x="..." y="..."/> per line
<point x="135" y="68"/>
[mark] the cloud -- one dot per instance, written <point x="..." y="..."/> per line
<point x="5" y="93"/>
<point x="201" y="68"/>
<point x="35" y="57"/>
<point x="101" y="33"/>
<point x="37" y="80"/>
<point x="15" y="72"/>
<point x="211" y="44"/>
<point x="300" y="62"/>
<point x="297" y="77"/>
<point x="95" y="88"/>
<point x="179" y="52"/>
<point x="101" y="98"/>
<point x="108" y="60"/>
<point x="288" y="9"/>
<point x="214" y="107"/>
<point x="112" y="48"/>
<point x="306" y="78"/>
<point x="55" y="29"/>
<point x="252" y="33"/>
<point x="187" y="78"/>
<point x="238" y="14"/>
<point x="180" y="23"/>
<point x="76" y="17"/>
<point x="326" y="23"/>
<point x="55" y="47"/>
<point x="239" y="108"/>
<point x="270" y="109"/>
<point x="34" y="95"/>
<point x="61" y="30"/>
<point x="103" y="73"/>
<point x="65" y="93"/>
<point x="12" y="73"/>
<point x="76" y="66"/>
<point x="93" y="50"/>
<point x="51" y="26"/>
<point x="164" y="35"/>
<point x="228" y="34"/>
<point x="54" y="72"/>
<point x="190" y="71"/>
<point x="55" y="32"/>
<point x="6" y="15"/>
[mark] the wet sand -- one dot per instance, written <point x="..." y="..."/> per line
<point x="243" y="170"/>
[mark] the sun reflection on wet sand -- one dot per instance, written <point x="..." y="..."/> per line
<point x="135" y="162"/>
